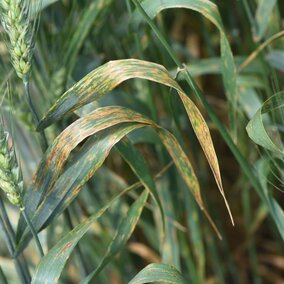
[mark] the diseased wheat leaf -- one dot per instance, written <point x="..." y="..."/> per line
<point x="123" y="233"/>
<point x="67" y="187"/>
<point x="210" y="11"/>
<point x="105" y="78"/>
<point x="255" y="127"/>
<point x="56" y="156"/>
<point x="52" y="164"/>
<point x="158" y="272"/>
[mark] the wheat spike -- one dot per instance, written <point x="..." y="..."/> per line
<point x="16" y="20"/>
<point x="10" y="173"/>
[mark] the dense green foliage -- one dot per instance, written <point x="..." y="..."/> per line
<point x="141" y="141"/>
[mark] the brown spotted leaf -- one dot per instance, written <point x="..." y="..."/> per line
<point x="48" y="187"/>
<point x="105" y="78"/>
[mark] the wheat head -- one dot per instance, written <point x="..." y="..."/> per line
<point x="16" y="20"/>
<point x="11" y="181"/>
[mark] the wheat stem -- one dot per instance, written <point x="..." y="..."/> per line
<point x="31" y="227"/>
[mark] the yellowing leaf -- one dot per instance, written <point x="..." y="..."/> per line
<point x="105" y="78"/>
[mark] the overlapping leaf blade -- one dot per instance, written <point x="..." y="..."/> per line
<point x="105" y="78"/>
<point x="67" y="187"/>
<point x="49" y="182"/>
<point x="52" y="164"/>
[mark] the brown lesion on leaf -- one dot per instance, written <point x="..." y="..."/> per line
<point x="64" y="249"/>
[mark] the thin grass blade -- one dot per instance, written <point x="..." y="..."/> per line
<point x="122" y="235"/>
<point x="50" y="267"/>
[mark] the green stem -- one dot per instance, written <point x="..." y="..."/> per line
<point x="43" y="140"/>
<point x="245" y="166"/>
<point x="30" y="225"/>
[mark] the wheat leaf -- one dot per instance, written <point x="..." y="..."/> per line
<point x="158" y="272"/>
<point x="105" y="78"/>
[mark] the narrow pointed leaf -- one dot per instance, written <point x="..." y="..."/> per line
<point x="210" y="11"/>
<point x="57" y="154"/>
<point x="122" y="234"/>
<point x="51" y="265"/>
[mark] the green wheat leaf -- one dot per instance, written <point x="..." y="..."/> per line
<point x="256" y="129"/>
<point x="158" y="272"/>
<point x="50" y="267"/>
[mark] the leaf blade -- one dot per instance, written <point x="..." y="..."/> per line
<point x="105" y="78"/>
<point x="123" y="233"/>
<point x="158" y="272"/>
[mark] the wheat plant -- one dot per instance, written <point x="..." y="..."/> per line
<point x="160" y="150"/>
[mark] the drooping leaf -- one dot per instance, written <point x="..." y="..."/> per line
<point x="67" y="187"/>
<point x="123" y="233"/>
<point x="210" y="11"/>
<point x="158" y="272"/>
<point x="105" y="78"/>
<point x="57" y="155"/>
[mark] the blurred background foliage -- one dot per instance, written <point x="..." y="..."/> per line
<point x="74" y="38"/>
